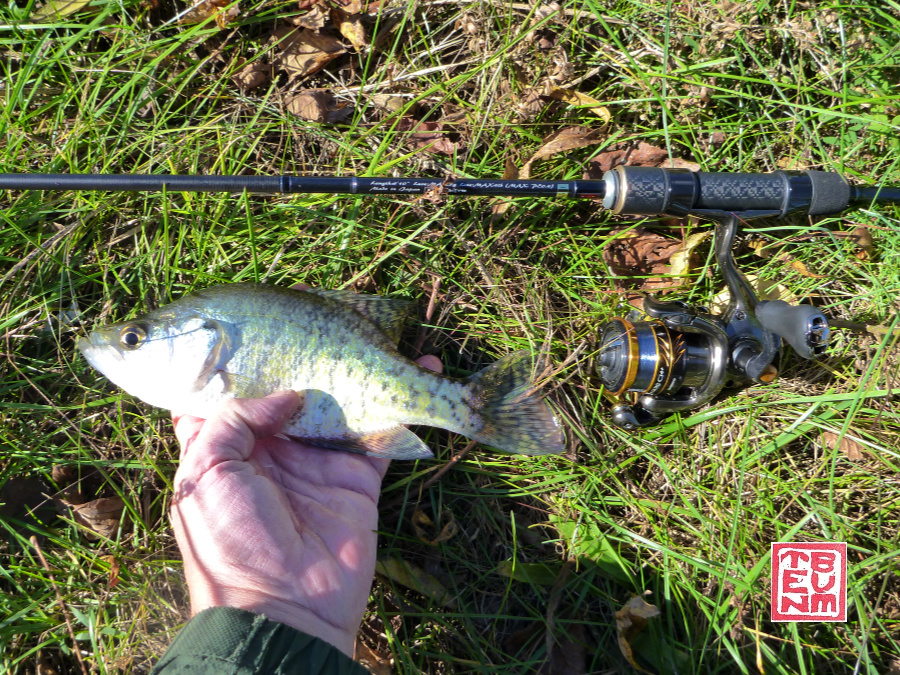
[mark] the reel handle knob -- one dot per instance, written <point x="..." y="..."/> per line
<point x="803" y="327"/>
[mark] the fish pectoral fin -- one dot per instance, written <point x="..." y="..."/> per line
<point x="241" y="386"/>
<point x="393" y="443"/>
<point x="217" y="358"/>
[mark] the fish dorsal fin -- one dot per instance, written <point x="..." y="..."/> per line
<point x="388" y="314"/>
<point x="393" y="443"/>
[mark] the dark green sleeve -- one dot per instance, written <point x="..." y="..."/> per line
<point x="228" y="641"/>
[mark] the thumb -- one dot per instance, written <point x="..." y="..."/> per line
<point x="232" y="432"/>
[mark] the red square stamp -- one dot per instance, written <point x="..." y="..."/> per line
<point x="809" y="582"/>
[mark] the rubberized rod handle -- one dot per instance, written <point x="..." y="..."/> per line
<point x="640" y="190"/>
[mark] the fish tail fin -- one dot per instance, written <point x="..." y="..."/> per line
<point x="513" y="417"/>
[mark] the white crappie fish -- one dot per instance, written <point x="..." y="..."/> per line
<point x="338" y="350"/>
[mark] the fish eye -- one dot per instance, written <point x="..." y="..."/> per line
<point x="132" y="336"/>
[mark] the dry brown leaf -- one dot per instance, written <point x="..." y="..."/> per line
<point x="312" y="104"/>
<point x="678" y="163"/>
<point x="63" y="475"/>
<point x="765" y="290"/>
<point x="315" y="19"/>
<point x="349" y="6"/>
<point x="389" y="102"/>
<point x="801" y="269"/>
<point x="631" y="620"/>
<point x="208" y="9"/>
<point x="683" y="261"/>
<point x="647" y="155"/>
<point x="304" y="52"/>
<point x="501" y="206"/>
<point x="252" y="76"/>
<point x="863" y="238"/>
<point x="530" y="105"/>
<point x="644" y="154"/>
<point x="100" y="516"/>
<point x="583" y="100"/>
<point x="115" y="566"/>
<point x="368" y="658"/>
<point x="428" y="136"/>
<point x="854" y="450"/>
<point x="351" y="27"/>
<point x="426" y="529"/>
<point x="564" y="140"/>
<point x="640" y="253"/>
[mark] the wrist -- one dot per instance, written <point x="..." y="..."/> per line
<point x="274" y="609"/>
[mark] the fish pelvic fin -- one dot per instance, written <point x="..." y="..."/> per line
<point x="514" y="417"/>
<point x="393" y="443"/>
<point x="388" y="314"/>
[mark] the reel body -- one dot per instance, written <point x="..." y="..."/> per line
<point x="681" y="357"/>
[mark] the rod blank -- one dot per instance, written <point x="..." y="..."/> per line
<point x="298" y="184"/>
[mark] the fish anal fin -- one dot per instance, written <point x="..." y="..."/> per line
<point x="388" y="314"/>
<point x="393" y="443"/>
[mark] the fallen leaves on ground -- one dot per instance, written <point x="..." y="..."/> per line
<point x="854" y="450"/>
<point x="627" y="154"/>
<point x="368" y="658"/>
<point x="252" y="76"/>
<point x="315" y="19"/>
<point x="317" y="105"/>
<point x="351" y="27"/>
<point x="502" y="204"/>
<point x="766" y="289"/>
<point x="583" y="100"/>
<point x="863" y="238"/>
<point x="564" y="140"/>
<point x="302" y="51"/>
<point x="428" y="137"/>
<point x="631" y="620"/>
<point x="99" y="517"/>
<point x="427" y="531"/>
<point x="58" y="9"/>
<point x="223" y="11"/>
<point x="642" y="260"/>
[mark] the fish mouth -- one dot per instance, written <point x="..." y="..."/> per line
<point x="83" y="344"/>
<point x="91" y="350"/>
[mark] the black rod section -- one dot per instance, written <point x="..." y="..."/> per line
<point x="861" y="196"/>
<point x="299" y="184"/>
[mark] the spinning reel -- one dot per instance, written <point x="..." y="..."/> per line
<point x="681" y="357"/>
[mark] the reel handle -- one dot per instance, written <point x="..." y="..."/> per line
<point x="803" y="327"/>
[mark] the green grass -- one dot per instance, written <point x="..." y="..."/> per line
<point x="545" y="546"/>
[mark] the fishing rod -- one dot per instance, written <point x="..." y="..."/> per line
<point x="624" y="190"/>
<point x="672" y="358"/>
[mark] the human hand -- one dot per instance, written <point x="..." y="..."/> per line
<point x="274" y="526"/>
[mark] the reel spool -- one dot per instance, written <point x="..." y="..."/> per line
<point x="648" y="358"/>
